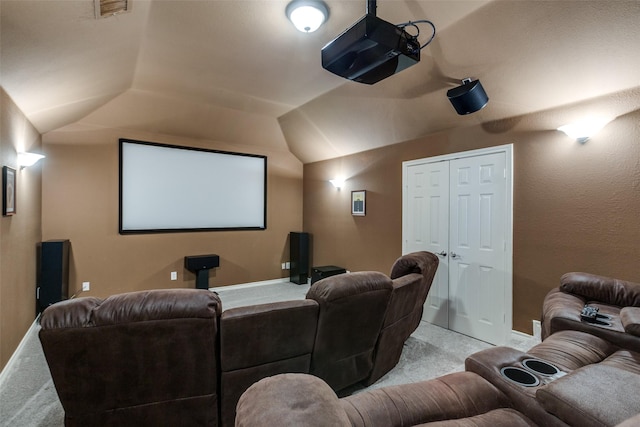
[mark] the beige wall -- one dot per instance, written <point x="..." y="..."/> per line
<point x="80" y="203"/>
<point x="576" y="207"/>
<point x="19" y="234"/>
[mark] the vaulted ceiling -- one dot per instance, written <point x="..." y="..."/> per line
<point x="212" y="68"/>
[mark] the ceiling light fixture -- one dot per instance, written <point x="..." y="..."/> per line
<point x="28" y="159"/>
<point x="307" y="15"/>
<point x="583" y="130"/>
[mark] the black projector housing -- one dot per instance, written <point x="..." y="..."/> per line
<point x="370" y="50"/>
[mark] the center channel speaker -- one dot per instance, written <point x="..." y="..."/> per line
<point x="299" y="243"/>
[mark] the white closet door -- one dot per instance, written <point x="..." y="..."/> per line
<point x="477" y="246"/>
<point x="427" y="228"/>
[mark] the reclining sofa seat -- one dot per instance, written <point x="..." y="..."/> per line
<point x="141" y="358"/>
<point x="617" y="299"/>
<point x="412" y="276"/>
<point x="261" y="340"/>
<point x="351" y="312"/>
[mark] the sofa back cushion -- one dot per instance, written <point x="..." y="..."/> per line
<point x="352" y="310"/>
<point x="146" y="357"/>
<point x="601" y="289"/>
<point x="262" y="340"/>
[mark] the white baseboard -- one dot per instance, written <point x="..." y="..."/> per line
<point x="521" y="334"/>
<point x="250" y="285"/>
<point x="12" y="360"/>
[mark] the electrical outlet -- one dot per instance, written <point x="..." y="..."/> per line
<point x="174" y="275"/>
<point x="86" y="286"/>
<point x="287" y="265"/>
<point x="284" y="265"/>
<point x="537" y="329"/>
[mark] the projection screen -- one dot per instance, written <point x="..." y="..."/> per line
<point x="169" y="188"/>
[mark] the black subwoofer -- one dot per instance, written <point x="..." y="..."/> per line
<point x="53" y="273"/>
<point x="299" y="243"/>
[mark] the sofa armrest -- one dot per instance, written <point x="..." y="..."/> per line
<point x="559" y="305"/>
<point x="603" y="289"/>
<point x="630" y="318"/>
<point x="290" y="400"/>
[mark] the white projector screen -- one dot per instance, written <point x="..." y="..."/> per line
<point x="168" y="188"/>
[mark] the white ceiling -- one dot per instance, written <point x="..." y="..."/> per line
<point x="208" y="68"/>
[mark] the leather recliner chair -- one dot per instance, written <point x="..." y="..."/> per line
<point x="141" y="358"/>
<point x="412" y="276"/>
<point x="258" y="341"/>
<point x="352" y="308"/>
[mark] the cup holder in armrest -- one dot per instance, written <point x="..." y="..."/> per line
<point x="520" y="376"/>
<point x="540" y="367"/>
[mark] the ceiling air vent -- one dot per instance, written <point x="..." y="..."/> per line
<point x="106" y="8"/>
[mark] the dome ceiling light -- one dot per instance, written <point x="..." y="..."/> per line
<point x="307" y="15"/>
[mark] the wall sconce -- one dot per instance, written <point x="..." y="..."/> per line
<point x="28" y="159"/>
<point x="583" y="130"/>
<point x="307" y="15"/>
<point x="338" y="182"/>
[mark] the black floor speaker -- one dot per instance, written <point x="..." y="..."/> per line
<point x="53" y="273"/>
<point x="299" y="257"/>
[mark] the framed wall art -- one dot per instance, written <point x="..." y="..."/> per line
<point x="8" y="191"/>
<point x="358" y="201"/>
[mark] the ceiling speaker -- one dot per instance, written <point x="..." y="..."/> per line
<point x="468" y="98"/>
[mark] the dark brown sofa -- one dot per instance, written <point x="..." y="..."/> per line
<point x="597" y="385"/>
<point x="618" y="302"/>
<point x="580" y="375"/>
<point x="144" y="358"/>
<point x="176" y="351"/>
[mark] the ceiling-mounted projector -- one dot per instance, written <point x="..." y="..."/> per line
<point x="371" y="50"/>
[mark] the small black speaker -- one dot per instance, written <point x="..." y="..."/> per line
<point x="201" y="262"/>
<point x="53" y="273"/>
<point x="299" y="257"/>
<point x="469" y="97"/>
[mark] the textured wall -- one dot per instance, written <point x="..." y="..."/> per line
<point x="576" y="207"/>
<point x="19" y="234"/>
<point x="80" y="202"/>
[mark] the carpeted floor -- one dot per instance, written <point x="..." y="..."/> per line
<point x="28" y="397"/>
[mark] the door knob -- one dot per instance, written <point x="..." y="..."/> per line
<point x="454" y="255"/>
<point x="443" y="253"/>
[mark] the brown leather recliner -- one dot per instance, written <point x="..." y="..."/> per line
<point x="352" y="308"/>
<point x="142" y="358"/>
<point x="618" y="302"/>
<point x="412" y="276"/>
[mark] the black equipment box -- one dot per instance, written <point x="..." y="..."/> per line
<point x="319" y="273"/>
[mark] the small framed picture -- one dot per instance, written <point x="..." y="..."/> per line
<point x="8" y="191"/>
<point x="358" y="200"/>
